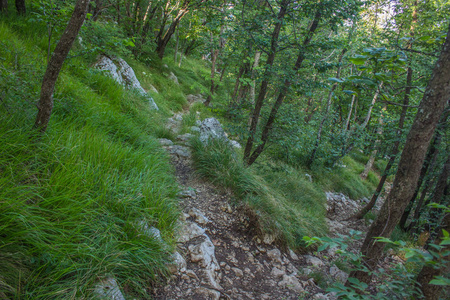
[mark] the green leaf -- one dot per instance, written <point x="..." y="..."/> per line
<point x="349" y="92"/>
<point x="439" y="280"/>
<point x="334" y="79"/>
<point x="359" y="60"/>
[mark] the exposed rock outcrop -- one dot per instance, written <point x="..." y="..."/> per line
<point x="212" y="129"/>
<point x="122" y="73"/>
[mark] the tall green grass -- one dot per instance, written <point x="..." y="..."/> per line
<point x="281" y="202"/>
<point x="71" y="200"/>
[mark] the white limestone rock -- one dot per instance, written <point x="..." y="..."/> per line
<point x="122" y="73"/>
<point x="108" y="289"/>
<point x="189" y="231"/>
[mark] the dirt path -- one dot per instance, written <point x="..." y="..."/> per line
<point x="220" y="256"/>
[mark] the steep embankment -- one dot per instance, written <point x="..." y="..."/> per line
<point x="75" y="201"/>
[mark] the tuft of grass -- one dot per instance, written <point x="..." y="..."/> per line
<point x="346" y="179"/>
<point x="283" y="203"/>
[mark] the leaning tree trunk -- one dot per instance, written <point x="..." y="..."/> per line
<point x="395" y="150"/>
<point x="45" y="105"/>
<point x="264" y="84"/>
<point x="429" y="161"/>
<point x="284" y="90"/>
<point x="428" y="272"/>
<point x="4" y="6"/>
<point x="373" y="155"/>
<point x="325" y="116"/>
<point x="164" y="39"/>
<point x="428" y="114"/>
<point x="253" y="86"/>
<point x="20" y="7"/>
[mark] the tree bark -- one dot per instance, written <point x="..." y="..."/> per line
<point x="347" y="122"/>
<point x="4" y="6"/>
<point x="373" y="155"/>
<point x="325" y="116"/>
<point x="369" y="112"/>
<point x="264" y="84"/>
<point x="430" y="109"/>
<point x="45" y="105"/>
<point x="429" y="161"/>
<point x="395" y="149"/>
<point x="431" y="291"/>
<point x="20" y="7"/>
<point x="284" y="90"/>
<point x="253" y="86"/>
<point x="163" y="40"/>
<point x="214" y="56"/>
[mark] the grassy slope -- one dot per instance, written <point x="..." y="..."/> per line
<point x="71" y="199"/>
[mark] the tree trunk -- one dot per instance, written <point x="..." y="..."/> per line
<point x="396" y="146"/>
<point x="264" y="84"/>
<point x="176" y="46"/>
<point x="429" y="161"/>
<point x="45" y="105"/>
<point x="20" y="7"/>
<point x="325" y="116"/>
<point x="428" y="272"/>
<point x="214" y="56"/>
<point x="4" y="6"/>
<point x="284" y="90"/>
<point x="253" y="86"/>
<point x="347" y="122"/>
<point x="373" y="155"/>
<point x="369" y="112"/>
<point x="164" y="40"/>
<point x="237" y="83"/>
<point x="430" y="109"/>
<point x="420" y="203"/>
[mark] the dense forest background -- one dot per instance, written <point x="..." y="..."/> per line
<point x="327" y="90"/>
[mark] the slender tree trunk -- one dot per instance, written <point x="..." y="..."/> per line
<point x="395" y="150"/>
<point x="429" y="161"/>
<point x="253" y="86"/>
<point x="45" y="105"/>
<point x="347" y="122"/>
<point x="237" y="83"/>
<point x="264" y="84"/>
<point x="369" y="112"/>
<point x="430" y="109"/>
<point x="214" y="56"/>
<point x="428" y="272"/>
<point x="4" y="6"/>
<point x="325" y="116"/>
<point x="175" y="56"/>
<point x="222" y="73"/>
<point x="284" y="90"/>
<point x="20" y="7"/>
<point x="164" y="40"/>
<point x="373" y="155"/>
<point x="420" y="203"/>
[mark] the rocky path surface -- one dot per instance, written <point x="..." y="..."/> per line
<point x="221" y="257"/>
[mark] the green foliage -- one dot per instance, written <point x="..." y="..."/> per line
<point x="283" y="201"/>
<point x="73" y="199"/>
<point x="106" y="38"/>
<point x="396" y="283"/>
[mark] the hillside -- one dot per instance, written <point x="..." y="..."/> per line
<point x="204" y="170"/>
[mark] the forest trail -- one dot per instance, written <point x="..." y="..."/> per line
<point x="220" y="256"/>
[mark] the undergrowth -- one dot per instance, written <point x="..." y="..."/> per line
<point x="73" y="200"/>
<point x="285" y="203"/>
